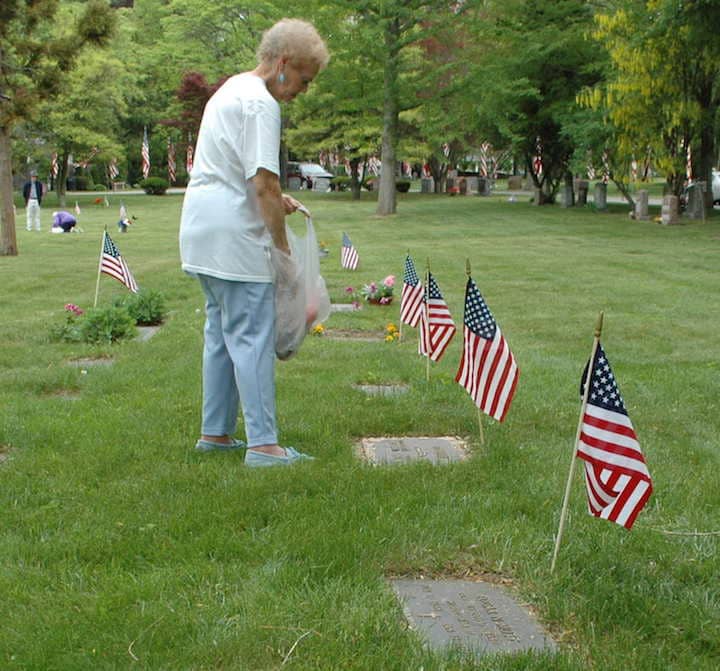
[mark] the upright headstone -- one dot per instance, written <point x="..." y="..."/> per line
<point x="427" y="185"/>
<point x="696" y="201"/>
<point x="641" y="205"/>
<point x="515" y="183"/>
<point x="568" y="196"/>
<point x="582" y="192"/>
<point x="472" y="185"/>
<point x="601" y="196"/>
<point x="483" y="187"/>
<point x="669" y="213"/>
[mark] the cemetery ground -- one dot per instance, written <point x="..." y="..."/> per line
<point x="120" y="547"/>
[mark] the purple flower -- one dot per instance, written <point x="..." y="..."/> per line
<point x="349" y="290"/>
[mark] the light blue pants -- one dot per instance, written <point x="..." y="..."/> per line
<point x="239" y="359"/>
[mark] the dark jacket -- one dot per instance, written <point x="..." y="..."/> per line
<point x="26" y="191"/>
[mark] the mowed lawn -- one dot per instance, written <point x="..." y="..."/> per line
<point x="120" y="547"/>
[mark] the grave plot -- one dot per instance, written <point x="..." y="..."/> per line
<point x="402" y="450"/>
<point x="476" y="616"/>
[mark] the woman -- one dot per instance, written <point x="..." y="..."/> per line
<point x="233" y="212"/>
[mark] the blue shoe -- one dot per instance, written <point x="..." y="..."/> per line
<point x="255" y="459"/>
<point x="209" y="446"/>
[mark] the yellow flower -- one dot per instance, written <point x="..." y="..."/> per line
<point x="391" y="328"/>
<point x="389" y="338"/>
<point x="319" y="330"/>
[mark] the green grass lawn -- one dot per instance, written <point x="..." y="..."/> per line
<point x="122" y="548"/>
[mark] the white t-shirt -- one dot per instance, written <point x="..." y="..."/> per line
<point x="221" y="231"/>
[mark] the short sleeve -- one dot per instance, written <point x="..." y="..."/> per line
<point x="261" y="138"/>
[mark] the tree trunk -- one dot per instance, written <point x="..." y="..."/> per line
<point x="61" y="181"/>
<point x="355" y="179"/>
<point x="8" y="240"/>
<point x="387" y="198"/>
<point x="707" y="157"/>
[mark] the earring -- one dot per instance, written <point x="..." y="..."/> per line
<point x="281" y="78"/>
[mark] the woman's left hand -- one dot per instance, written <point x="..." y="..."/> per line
<point x="290" y="204"/>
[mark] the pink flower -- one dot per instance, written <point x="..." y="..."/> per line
<point x="384" y="300"/>
<point x="389" y="281"/>
<point x="373" y="287"/>
<point x="71" y="307"/>
<point x="356" y="305"/>
<point x="349" y="290"/>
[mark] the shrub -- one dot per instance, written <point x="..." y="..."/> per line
<point x="70" y="329"/>
<point x="107" y="325"/>
<point x="96" y="326"/>
<point x="154" y="186"/>
<point x="340" y="183"/>
<point x="402" y="185"/>
<point x="147" y="307"/>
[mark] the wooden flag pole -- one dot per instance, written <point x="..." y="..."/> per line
<point x="588" y="375"/>
<point x="403" y="284"/>
<point x="427" y="321"/>
<point x="479" y="414"/>
<point x="97" y="284"/>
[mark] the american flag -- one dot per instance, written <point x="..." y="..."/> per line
<point x="86" y="162"/>
<point x="171" y="161"/>
<point x="349" y="256"/>
<point x="537" y="159"/>
<point x="617" y="479"/>
<point x="189" y="156"/>
<point x="487" y="368"/>
<point x="113" y="169"/>
<point x="145" y="155"/>
<point x="54" y="168"/>
<point x="411" y="300"/>
<point x="436" y="325"/>
<point x="111" y="263"/>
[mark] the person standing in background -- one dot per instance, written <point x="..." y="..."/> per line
<point x="32" y="193"/>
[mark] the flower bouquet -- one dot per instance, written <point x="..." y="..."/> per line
<point x="379" y="293"/>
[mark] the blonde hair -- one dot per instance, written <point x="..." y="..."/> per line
<point x="296" y="39"/>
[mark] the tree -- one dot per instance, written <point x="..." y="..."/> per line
<point x="86" y="119"/>
<point x="663" y="91"/>
<point x="534" y="60"/>
<point x="33" y="60"/>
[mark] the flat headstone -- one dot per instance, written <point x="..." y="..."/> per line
<point x="342" y="307"/>
<point x="390" y="451"/>
<point x="353" y="334"/>
<point x="146" y="332"/>
<point x="65" y="395"/>
<point x="82" y="363"/>
<point x="382" y="389"/>
<point x="477" y="616"/>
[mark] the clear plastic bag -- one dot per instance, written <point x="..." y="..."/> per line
<point x="301" y="297"/>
